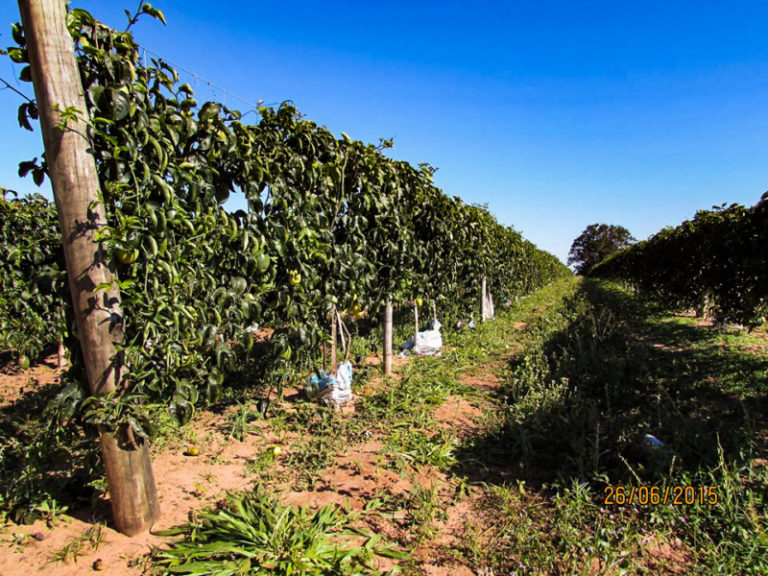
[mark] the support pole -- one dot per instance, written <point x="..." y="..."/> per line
<point x="334" y="337"/>
<point x="388" y="338"/>
<point x="483" y="300"/>
<point x="98" y="314"/>
<point x="61" y="362"/>
<point x="416" y="321"/>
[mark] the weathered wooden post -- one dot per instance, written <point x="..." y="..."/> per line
<point x="61" y="362"/>
<point x="81" y="214"/>
<point x="334" y="338"/>
<point x="483" y="300"/>
<point x="388" y="338"/>
<point x="416" y="322"/>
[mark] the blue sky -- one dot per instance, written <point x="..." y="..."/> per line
<point x="556" y="114"/>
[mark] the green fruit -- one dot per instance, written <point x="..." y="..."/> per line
<point x="23" y="362"/>
<point x="419" y="301"/>
<point x="126" y="256"/>
<point x="262" y="262"/>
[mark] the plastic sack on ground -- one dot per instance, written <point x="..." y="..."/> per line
<point x="341" y="392"/>
<point x="332" y="390"/>
<point x="428" y="343"/>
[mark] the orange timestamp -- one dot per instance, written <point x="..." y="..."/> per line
<point x="660" y="495"/>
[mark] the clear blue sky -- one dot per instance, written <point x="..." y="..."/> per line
<point x="557" y="114"/>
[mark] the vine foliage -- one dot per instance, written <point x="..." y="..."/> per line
<point x="330" y="223"/>
<point x="713" y="263"/>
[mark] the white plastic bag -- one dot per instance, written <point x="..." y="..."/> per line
<point x="487" y="311"/>
<point x="429" y="342"/>
<point x="332" y="390"/>
<point x="341" y="391"/>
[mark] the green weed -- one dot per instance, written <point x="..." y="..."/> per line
<point x="253" y="533"/>
<point x="601" y="370"/>
<point x="239" y="421"/>
<point x="420" y="448"/>
<point x="90" y="540"/>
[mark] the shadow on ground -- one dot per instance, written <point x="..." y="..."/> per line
<point x="582" y="400"/>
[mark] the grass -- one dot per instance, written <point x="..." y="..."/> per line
<point x="420" y="448"/>
<point x="601" y="369"/>
<point x="240" y="421"/>
<point x="253" y="533"/>
<point x="90" y="540"/>
<point x="423" y="506"/>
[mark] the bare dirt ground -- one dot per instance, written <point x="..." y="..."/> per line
<point x="81" y="540"/>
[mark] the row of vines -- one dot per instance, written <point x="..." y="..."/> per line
<point x="714" y="263"/>
<point x="32" y="276"/>
<point x="330" y="223"/>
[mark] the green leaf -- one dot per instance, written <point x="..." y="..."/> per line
<point x="17" y="32"/>
<point x="120" y="104"/>
<point x="18" y="55"/>
<point x="154" y="12"/>
<point x="25" y="75"/>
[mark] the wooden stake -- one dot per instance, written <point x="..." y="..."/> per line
<point x="334" y="336"/>
<point x="416" y="319"/>
<point x="98" y="314"/>
<point x="60" y="355"/>
<point x="483" y="311"/>
<point x="388" y="338"/>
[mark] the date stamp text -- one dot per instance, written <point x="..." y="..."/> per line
<point x="660" y="495"/>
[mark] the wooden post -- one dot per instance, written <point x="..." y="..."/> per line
<point x="416" y="321"/>
<point x="388" y="338"/>
<point x="60" y="355"/>
<point x="334" y="337"/>
<point x="98" y="314"/>
<point x="483" y="311"/>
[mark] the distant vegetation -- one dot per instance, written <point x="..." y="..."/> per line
<point x="597" y="242"/>
<point x="715" y="263"/>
